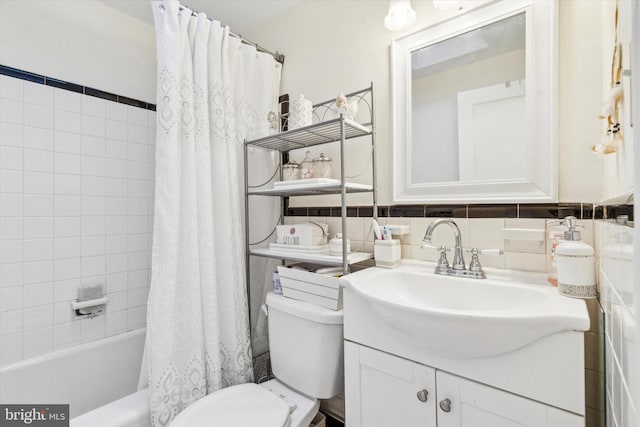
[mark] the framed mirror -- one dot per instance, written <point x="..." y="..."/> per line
<point x="475" y="107"/>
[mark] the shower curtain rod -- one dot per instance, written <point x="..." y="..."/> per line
<point x="277" y="55"/>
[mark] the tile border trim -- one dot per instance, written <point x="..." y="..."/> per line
<point x="72" y="87"/>
<point x="542" y="210"/>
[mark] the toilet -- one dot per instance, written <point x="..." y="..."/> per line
<point x="306" y="346"/>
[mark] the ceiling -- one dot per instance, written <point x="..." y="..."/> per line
<point x="242" y="16"/>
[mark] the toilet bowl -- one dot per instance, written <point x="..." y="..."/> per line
<point x="306" y="349"/>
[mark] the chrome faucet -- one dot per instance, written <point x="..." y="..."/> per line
<point x="458" y="267"/>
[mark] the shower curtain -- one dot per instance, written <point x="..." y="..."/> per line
<point x="213" y="92"/>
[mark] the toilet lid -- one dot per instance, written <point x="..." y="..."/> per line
<point x="245" y="405"/>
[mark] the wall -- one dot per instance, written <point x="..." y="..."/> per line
<point x="345" y="46"/>
<point x="76" y="199"/>
<point x="84" y="42"/>
<point x="76" y="173"/>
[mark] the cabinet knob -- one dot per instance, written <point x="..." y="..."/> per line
<point x="445" y="405"/>
<point x="423" y="395"/>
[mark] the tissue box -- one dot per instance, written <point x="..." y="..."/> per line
<point x="307" y="234"/>
<point x="318" y="289"/>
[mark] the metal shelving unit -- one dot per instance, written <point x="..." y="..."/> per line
<point x="323" y="131"/>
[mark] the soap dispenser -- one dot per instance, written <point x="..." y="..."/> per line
<point x="576" y="265"/>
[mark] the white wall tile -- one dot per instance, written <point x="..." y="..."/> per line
<point x="38" y="160"/>
<point x="116" y="206"/>
<point x="140" y="206"/>
<point x="11" y="298"/>
<point x="37" y="340"/>
<point x="66" y="142"/>
<point x="69" y="247"/>
<point x="11" y="228"/>
<point x="93" y="126"/>
<point x="116" y="168"/>
<point x="38" y="228"/>
<point x="66" y="206"/>
<point x="116" y="187"/>
<point x="137" y="152"/>
<point x="93" y="265"/>
<point x="38" y="116"/>
<point x="116" y="224"/>
<point x="137" y="242"/>
<point x="62" y="312"/>
<point x="10" y="322"/>
<point x="93" y="166"/>
<point x="94" y="245"/>
<point x="66" y="290"/>
<point x="525" y="261"/>
<point x="38" y="294"/>
<point x="67" y="101"/>
<point x="93" y="226"/>
<point x="137" y="297"/>
<point x="38" y="138"/>
<point x="67" y="226"/>
<point x="117" y="302"/>
<point x="11" y="88"/>
<point x="93" y="146"/>
<point x="67" y="268"/>
<point x="38" y="317"/>
<point x="11" y="111"/>
<point x="116" y="263"/>
<point x="137" y="317"/>
<point x="11" y="134"/>
<point x="93" y="186"/>
<point x="138" y="224"/>
<point x="138" y="279"/>
<point x="68" y="163"/>
<point x="137" y="134"/>
<point x="93" y="106"/>
<point x="136" y="116"/>
<point x="138" y="260"/>
<point x="68" y="121"/>
<point x="38" y="205"/>
<point x="117" y="282"/>
<point x="11" y="157"/>
<point x="11" y="181"/>
<point x="35" y="93"/>
<point x="10" y="275"/>
<point x="11" y="204"/>
<point x="117" y="111"/>
<point x="67" y="184"/>
<point x="93" y="205"/>
<point x="11" y="347"/>
<point x="116" y="149"/>
<point x="37" y="273"/>
<point x="11" y="251"/>
<point x="116" y="322"/>
<point x="116" y="130"/>
<point x="92" y="329"/>
<point x="66" y="335"/>
<point x="38" y="182"/>
<point x="138" y="170"/>
<point x="38" y="250"/>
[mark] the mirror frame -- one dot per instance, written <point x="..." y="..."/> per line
<point x="541" y="182"/>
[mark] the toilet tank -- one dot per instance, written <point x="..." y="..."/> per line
<point x="306" y="346"/>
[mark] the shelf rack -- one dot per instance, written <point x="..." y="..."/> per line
<point x="323" y="131"/>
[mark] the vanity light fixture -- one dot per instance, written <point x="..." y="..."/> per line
<point x="448" y="4"/>
<point x="401" y="15"/>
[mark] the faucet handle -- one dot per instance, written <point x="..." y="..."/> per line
<point x="476" y="251"/>
<point x="439" y="248"/>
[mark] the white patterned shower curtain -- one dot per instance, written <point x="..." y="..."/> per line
<point x="213" y="92"/>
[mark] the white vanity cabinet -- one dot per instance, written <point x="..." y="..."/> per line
<point x="384" y="390"/>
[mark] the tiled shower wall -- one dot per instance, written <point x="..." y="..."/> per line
<point x="616" y="251"/>
<point x="76" y="205"/>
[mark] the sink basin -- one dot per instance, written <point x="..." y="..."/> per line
<point x="462" y="317"/>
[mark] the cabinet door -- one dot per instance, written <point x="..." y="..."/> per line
<point x="471" y="404"/>
<point x="382" y="390"/>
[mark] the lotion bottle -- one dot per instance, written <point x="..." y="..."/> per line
<point x="576" y="264"/>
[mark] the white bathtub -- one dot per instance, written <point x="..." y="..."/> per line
<point x="89" y="376"/>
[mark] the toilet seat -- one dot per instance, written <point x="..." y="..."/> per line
<point x="244" y="405"/>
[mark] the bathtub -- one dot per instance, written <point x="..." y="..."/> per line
<point x="98" y="380"/>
